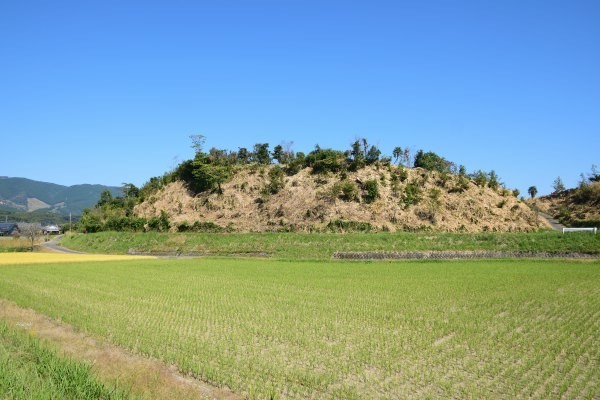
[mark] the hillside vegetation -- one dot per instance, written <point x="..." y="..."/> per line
<point x="579" y="206"/>
<point x="324" y="190"/>
<point x="404" y="199"/>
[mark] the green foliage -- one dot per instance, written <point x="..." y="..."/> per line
<point x="577" y="223"/>
<point x="480" y="178"/>
<point x="558" y="185"/>
<point x="371" y="189"/>
<point x="401" y="156"/>
<point x="345" y="190"/>
<point x="261" y="154"/>
<point x="160" y="223"/>
<point x="90" y="221"/>
<point x="185" y="173"/>
<point x="532" y="191"/>
<point x="276" y="181"/>
<point x="42" y="216"/>
<point x="243" y="156"/>
<point x="31" y="370"/>
<point x="283" y="154"/>
<point x="210" y="171"/>
<point x="594" y="175"/>
<point x="493" y="182"/>
<point x="587" y="193"/>
<point x="200" y="226"/>
<point x="349" y="226"/>
<point x="412" y="194"/>
<point x="432" y="162"/>
<point x="402" y="174"/>
<point x="462" y="184"/>
<point x="362" y="154"/>
<point x="435" y="202"/>
<point x="325" y="160"/>
<point x="295" y="164"/>
<point x="443" y="178"/>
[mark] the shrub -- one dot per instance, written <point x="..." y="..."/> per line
<point x="207" y="226"/>
<point x="325" y="160"/>
<point x="432" y="162"/>
<point x="371" y="189"/>
<point x="462" y="184"/>
<point x="349" y="226"/>
<point x="276" y="181"/>
<point x="345" y="190"/>
<point x="493" y="182"/>
<point x="412" y="194"/>
<point x="480" y="178"/>
<point x="434" y="199"/>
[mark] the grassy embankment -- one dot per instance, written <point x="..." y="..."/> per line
<point x="315" y="329"/>
<point x="296" y="246"/>
<point x="30" y="370"/>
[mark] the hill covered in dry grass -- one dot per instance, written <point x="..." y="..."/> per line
<point x="574" y="207"/>
<point x="379" y="197"/>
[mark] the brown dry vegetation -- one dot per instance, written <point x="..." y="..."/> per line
<point x="579" y="204"/>
<point x="309" y="202"/>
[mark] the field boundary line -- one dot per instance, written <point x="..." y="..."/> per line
<point x="455" y="255"/>
<point x="144" y="376"/>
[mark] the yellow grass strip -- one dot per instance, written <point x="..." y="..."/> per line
<point x="48" y="258"/>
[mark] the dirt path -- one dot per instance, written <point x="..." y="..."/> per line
<point x="146" y="377"/>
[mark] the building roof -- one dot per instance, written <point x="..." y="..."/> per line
<point x="7" y="227"/>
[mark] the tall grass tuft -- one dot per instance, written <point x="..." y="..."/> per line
<point x="30" y="370"/>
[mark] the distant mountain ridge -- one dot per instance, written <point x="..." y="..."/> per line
<point x="22" y="194"/>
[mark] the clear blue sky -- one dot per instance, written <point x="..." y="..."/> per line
<point x="110" y="91"/>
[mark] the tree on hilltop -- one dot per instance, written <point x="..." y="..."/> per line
<point x="532" y="191"/>
<point x="432" y="162"/>
<point x="261" y="154"/>
<point x="558" y="185"/>
<point x="401" y="156"/>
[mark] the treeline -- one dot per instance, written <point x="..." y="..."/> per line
<point x="209" y="170"/>
<point x="40" y="216"/>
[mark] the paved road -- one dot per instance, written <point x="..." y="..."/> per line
<point x="557" y="226"/>
<point x="52" y="245"/>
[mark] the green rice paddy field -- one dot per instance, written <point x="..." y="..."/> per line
<point x="344" y="330"/>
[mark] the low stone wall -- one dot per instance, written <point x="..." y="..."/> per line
<point x="178" y="253"/>
<point x="452" y="255"/>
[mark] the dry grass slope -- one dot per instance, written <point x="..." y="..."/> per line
<point x="310" y="202"/>
<point x="573" y="204"/>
